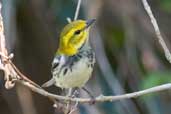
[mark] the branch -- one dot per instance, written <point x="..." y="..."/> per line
<point x="4" y="57"/>
<point x="100" y="98"/>
<point x="157" y="30"/>
<point x="77" y="10"/>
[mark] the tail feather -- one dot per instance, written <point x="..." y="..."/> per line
<point x="49" y="83"/>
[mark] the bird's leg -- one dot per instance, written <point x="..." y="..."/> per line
<point x="72" y="92"/>
<point x="89" y="93"/>
<point x="68" y="104"/>
<point x="75" y="92"/>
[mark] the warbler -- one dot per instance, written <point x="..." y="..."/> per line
<point x="74" y="60"/>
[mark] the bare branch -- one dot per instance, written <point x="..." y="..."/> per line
<point x="157" y="30"/>
<point x="100" y="98"/>
<point x="77" y="10"/>
<point x="4" y="56"/>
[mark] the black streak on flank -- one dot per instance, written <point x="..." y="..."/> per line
<point x="65" y="71"/>
<point x="55" y="65"/>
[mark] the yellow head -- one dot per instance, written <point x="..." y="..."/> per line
<point x="73" y="36"/>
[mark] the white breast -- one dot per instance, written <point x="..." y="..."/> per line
<point x="76" y="77"/>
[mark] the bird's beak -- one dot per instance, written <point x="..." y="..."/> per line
<point x="89" y="22"/>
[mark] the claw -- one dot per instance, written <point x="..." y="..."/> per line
<point x="93" y="101"/>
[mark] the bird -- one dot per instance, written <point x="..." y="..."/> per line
<point x="74" y="59"/>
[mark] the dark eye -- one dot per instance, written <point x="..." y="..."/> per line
<point x="77" y="32"/>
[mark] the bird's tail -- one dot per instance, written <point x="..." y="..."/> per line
<point x="49" y="83"/>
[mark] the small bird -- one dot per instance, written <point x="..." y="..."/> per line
<point x="74" y="60"/>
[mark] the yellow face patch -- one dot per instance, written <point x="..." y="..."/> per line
<point x="72" y="37"/>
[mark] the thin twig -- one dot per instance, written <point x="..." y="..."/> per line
<point x="77" y="10"/>
<point x="22" y="76"/>
<point x="157" y="30"/>
<point x="100" y="98"/>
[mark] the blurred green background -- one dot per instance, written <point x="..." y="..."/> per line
<point x="129" y="57"/>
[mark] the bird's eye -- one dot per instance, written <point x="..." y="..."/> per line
<point x="77" y="32"/>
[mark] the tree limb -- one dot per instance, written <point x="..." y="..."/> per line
<point x="157" y="30"/>
<point x="100" y="98"/>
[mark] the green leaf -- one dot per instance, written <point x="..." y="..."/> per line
<point x="156" y="78"/>
<point x="166" y="5"/>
